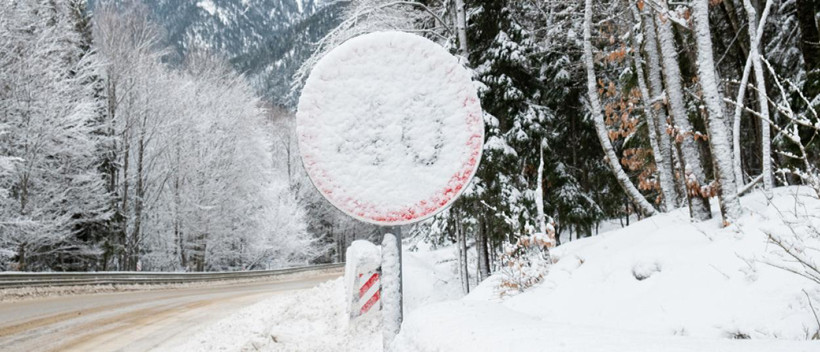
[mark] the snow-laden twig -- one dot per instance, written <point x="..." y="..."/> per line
<point x="750" y="185"/>
<point x="813" y="312"/>
<point x="662" y="7"/>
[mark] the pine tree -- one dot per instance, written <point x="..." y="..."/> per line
<point x="580" y="189"/>
<point x="502" y="52"/>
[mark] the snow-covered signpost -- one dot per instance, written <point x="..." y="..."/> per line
<point x="390" y="131"/>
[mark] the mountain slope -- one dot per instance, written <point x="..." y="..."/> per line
<point x="264" y="39"/>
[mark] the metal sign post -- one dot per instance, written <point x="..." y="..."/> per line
<point x="392" y="284"/>
<point x="396" y="231"/>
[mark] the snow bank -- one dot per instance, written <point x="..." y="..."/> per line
<point x="307" y="320"/>
<point x="430" y="276"/>
<point x="390" y="127"/>
<point x="663" y="283"/>
<point x="471" y="326"/>
<point x="317" y="320"/>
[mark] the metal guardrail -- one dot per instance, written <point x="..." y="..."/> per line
<point x="24" y="279"/>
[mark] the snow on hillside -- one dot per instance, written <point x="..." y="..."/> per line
<point x="662" y="284"/>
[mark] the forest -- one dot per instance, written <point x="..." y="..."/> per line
<point x="114" y="160"/>
<point x="117" y="155"/>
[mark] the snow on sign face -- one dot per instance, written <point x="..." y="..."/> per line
<point x="390" y="128"/>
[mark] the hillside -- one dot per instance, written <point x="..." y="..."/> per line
<point x="267" y="40"/>
<point x="663" y="283"/>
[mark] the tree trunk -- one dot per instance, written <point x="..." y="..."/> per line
<point x="667" y="183"/>
<point x="178" y="234"/>
<point x="483" y="254"/>
<point x="741" y="96"/>
<point x="200" y="264"/>
<point x="461" y="28"/>
<point x="492" y="249"/>
<point x="539" y="192"/>
<point x="762" y="97"/>
<point x="139" y="199"/>
<point x="680" y="185"/>
<point x="21" y="257"/>
<point x="692" y="170"/>
<point x="718" y="137"/>
<point x="463" y="271"/>
<point x="115" y="224"/>
<point x="123" y="233"/>
<point x="656" y="90"/>
<point x="479" y="274"/>
<point x="600" y="127"/>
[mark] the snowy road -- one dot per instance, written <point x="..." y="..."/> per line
<point x="132" y="321"/>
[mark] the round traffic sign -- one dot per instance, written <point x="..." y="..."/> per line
<point x="390" y="128"/>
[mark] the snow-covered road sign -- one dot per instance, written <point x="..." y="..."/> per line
<point x="390" y="131"/>
<point x="390" y="128"/>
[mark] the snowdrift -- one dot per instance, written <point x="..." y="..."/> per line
<point x="317" y="320"/>
<point x="662" y="284"/>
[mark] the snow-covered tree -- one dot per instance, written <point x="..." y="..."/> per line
<point x="718" y="134"/>
<point x="683" y="132"/>
<point x="655" y="117"/>
<point x="49" y="117"/>
<point x="192" y="159"/>
<point x="603" y="136"/>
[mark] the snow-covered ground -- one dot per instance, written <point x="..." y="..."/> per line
<point x="316" y="319"/>
<point x="309" y="320"/>
<point x="661" y="284"/>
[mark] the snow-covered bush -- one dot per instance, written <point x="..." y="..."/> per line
<point x="797" y="247"/>
<point x="798" y="242"/>
<point x="525" y="263"/>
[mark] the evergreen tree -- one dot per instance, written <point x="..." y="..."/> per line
<point x="502" y="53"/>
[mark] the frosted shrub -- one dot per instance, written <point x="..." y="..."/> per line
<point x="525" y="263"/>
<point x="798" y="242"/>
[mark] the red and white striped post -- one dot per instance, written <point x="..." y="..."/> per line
<point x="363" y="275"/>
<point x="369" y="292"/>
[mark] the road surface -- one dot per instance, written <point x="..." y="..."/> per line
<point x="130" y="321"/>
